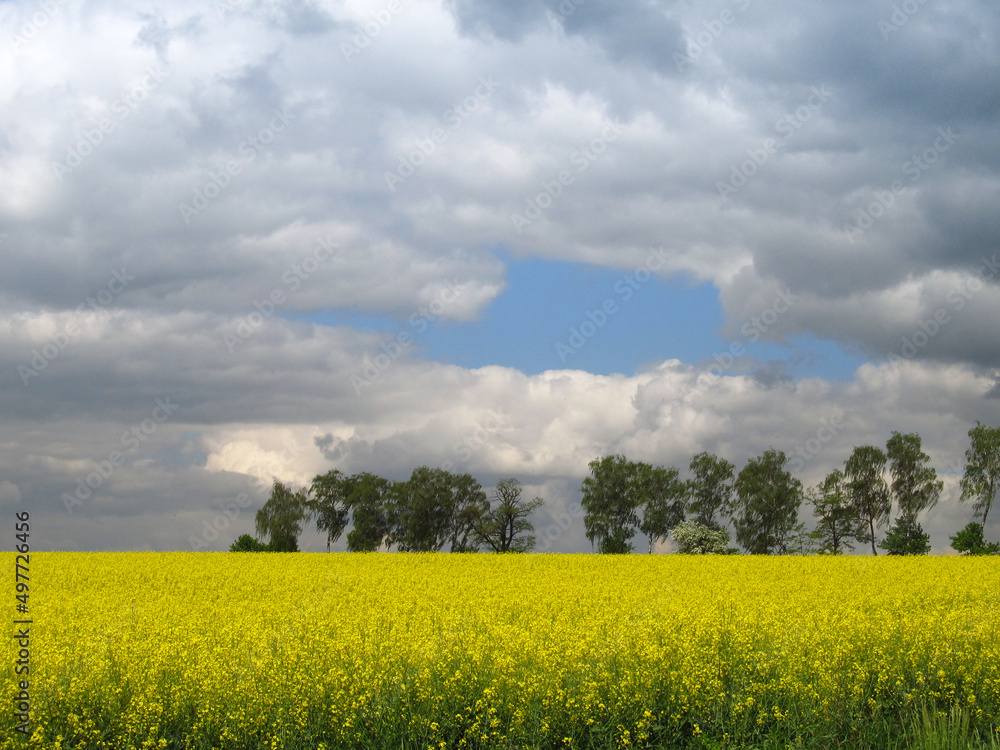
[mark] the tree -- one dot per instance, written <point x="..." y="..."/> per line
<point x="327" y="505"/>
<point x="915" y="486"/>
<point x="710" y="488"/>
<point x="970" y="541"/>
<point x="694" y="538"/>
<point x="906" y="537"/>
<point x="435" y="508"/>
<point x="610" y="502"/>
<point x="246" y="543"/>
<point x="505" y="527"/>
<point x="838" y="520"/>
<point x="867" y="488"/>
<point x="281" y="518"/>
<point x="662" y="496"/>
<point x="365" y="495"/>
<point x="981" y="481"/>
<point x="767" y="502"/>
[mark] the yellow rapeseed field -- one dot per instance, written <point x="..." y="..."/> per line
<point x="230" y="650"/>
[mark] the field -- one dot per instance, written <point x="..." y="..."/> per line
<point x="225" y="650"/>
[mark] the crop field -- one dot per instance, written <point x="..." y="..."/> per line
<point x="228" y="650"/>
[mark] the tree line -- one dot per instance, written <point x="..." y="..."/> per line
<point x="432" y="511"/>
<point x="762" y="501"/>
<point x="436" y="510"/>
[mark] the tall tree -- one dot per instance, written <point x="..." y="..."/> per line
<point x="867" y="488"/>
<point x="365" y="495"/>
<point x="327" y="505"/>
<point x="838" y="521"/>
<point x="610" y="503"/>
<point x="505" y="527"/>
<point x="281" y="518"/>
<point x="710" y="488"/>
<point x="767" y="503"/>
<point x="915" y="486"/>
<point x="981" y="481"/>
<point x="662" y="497"/>
<point x="434" y="508"/>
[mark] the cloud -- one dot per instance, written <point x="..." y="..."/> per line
<point x="201" y="205"/>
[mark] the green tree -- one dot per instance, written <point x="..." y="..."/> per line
<point x="327" y="505"/>
<point x="838" y="521"/>
<point x="610" y="502"/>
<point x="365" y="495"/>
<point x="435" y="508"/>
<point x="970" y="541"/>
<point x="906" y="537"/>
<point x="915" y="486"/>
<point x="280" y="519"/>
<point x="710" y="489"/>
<point x="766" y="506"/>
<point x="867" y="488"/>
<point x="981" y="481"/>
<point x="246" y="543"/>
<point x="694" y="538"/>
<point x="662" y="497"/>
<point x="505" y="527"/>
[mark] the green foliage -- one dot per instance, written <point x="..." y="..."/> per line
<point x="710" y="488"/>
<point x="610" y="502"/>
<point x="504" y="526"/>
<point x="246" y="543"/>
<point x="906" y="537"/>
<point x="327" y="505"/>
<point x="695" y="538"/>
<point x="981" y="481"/>
<point x="662" y="496"/>
<point x="915" y="486"/>
<point x="765" y="510"/>
<point x="838" y="521"/>
<point x="867" y="487"/>
<point x="281" y="518"/>
<point x="365" y="496"/>
<point x="435" y="508"/>
<point x="971" y="541"/>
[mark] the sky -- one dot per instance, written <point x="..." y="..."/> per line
<point x="246" y="241"/>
